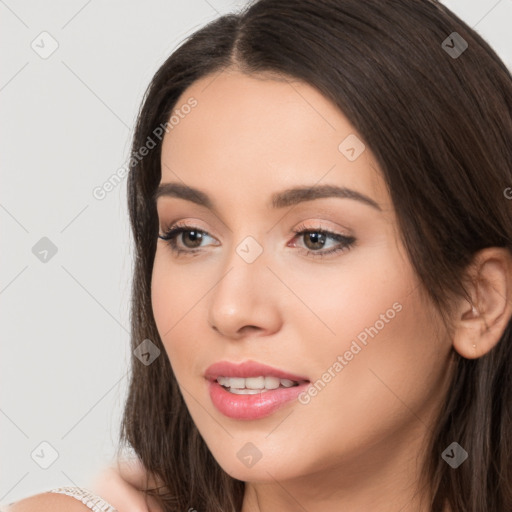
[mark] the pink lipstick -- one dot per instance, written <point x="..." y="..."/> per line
<point x="251" y="390"/>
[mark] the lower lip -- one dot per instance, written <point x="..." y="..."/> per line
<point x="252" y="407"/>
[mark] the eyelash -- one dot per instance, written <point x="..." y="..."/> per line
<point x="345" y="242"/>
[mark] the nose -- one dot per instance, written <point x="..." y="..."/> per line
<point x="246" y="299"/>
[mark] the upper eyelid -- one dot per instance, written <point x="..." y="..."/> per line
<point x="184" y="226"/>
<point x="309" y="212"/>
<point x="191" y="226"/>
<point x="193" y="223"/>
<point x="166" y="227"/>
<point x="179" y="227"/>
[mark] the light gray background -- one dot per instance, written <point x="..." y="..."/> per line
<point x="66" y="127"/>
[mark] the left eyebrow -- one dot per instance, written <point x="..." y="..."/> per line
<point x="281" y="199"/>
<point x="297" y="195"/>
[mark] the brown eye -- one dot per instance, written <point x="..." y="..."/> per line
<point x="314" y="240"/>
<point x="189" y="236"/>
<point x="195" y="238"/>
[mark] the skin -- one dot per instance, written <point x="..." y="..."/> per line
<point x="358" y="444"/>
<point x="121" y="484"/>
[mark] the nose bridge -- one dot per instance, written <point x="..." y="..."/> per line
<point x="245" y="267"/>
<point x="242" y="296"/>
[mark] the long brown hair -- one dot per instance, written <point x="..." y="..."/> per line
<point x="440" y="127"/>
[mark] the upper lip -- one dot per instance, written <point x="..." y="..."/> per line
<point x="247" y="369"/>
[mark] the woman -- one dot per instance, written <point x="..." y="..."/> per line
<point x="322" y="292"/>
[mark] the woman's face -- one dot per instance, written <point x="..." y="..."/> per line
<point x="351" y="326"/>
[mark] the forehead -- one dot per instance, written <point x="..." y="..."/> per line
<point x="256" y="133"/>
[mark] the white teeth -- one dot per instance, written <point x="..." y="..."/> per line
<point x="252" y="385"/>
<point x="245" y="391"/>
<point x="236" y="382"/>
<point x="272" y="382"/>
<point x="223" y="381"/>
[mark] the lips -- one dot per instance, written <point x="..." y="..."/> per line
<point x="250" y="390"/>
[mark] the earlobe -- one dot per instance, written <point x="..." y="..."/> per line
<point x="480" y="326"/>
<point x="466" y="339"/>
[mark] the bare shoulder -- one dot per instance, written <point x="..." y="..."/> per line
<point x="49" y="502"/>
<point x="122" y="486"/>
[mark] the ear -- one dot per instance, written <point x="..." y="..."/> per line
<point x="478" y="327"/>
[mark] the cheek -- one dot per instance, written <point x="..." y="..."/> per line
<point x="163" y="296"/>
<point x="383" y="361"/>
<point x="169" y="296"/>
<point x="366" y="288"/>
<point x="392" y="370"/>
<point x="386" y="386"/>
<point x="178" y="300"/>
